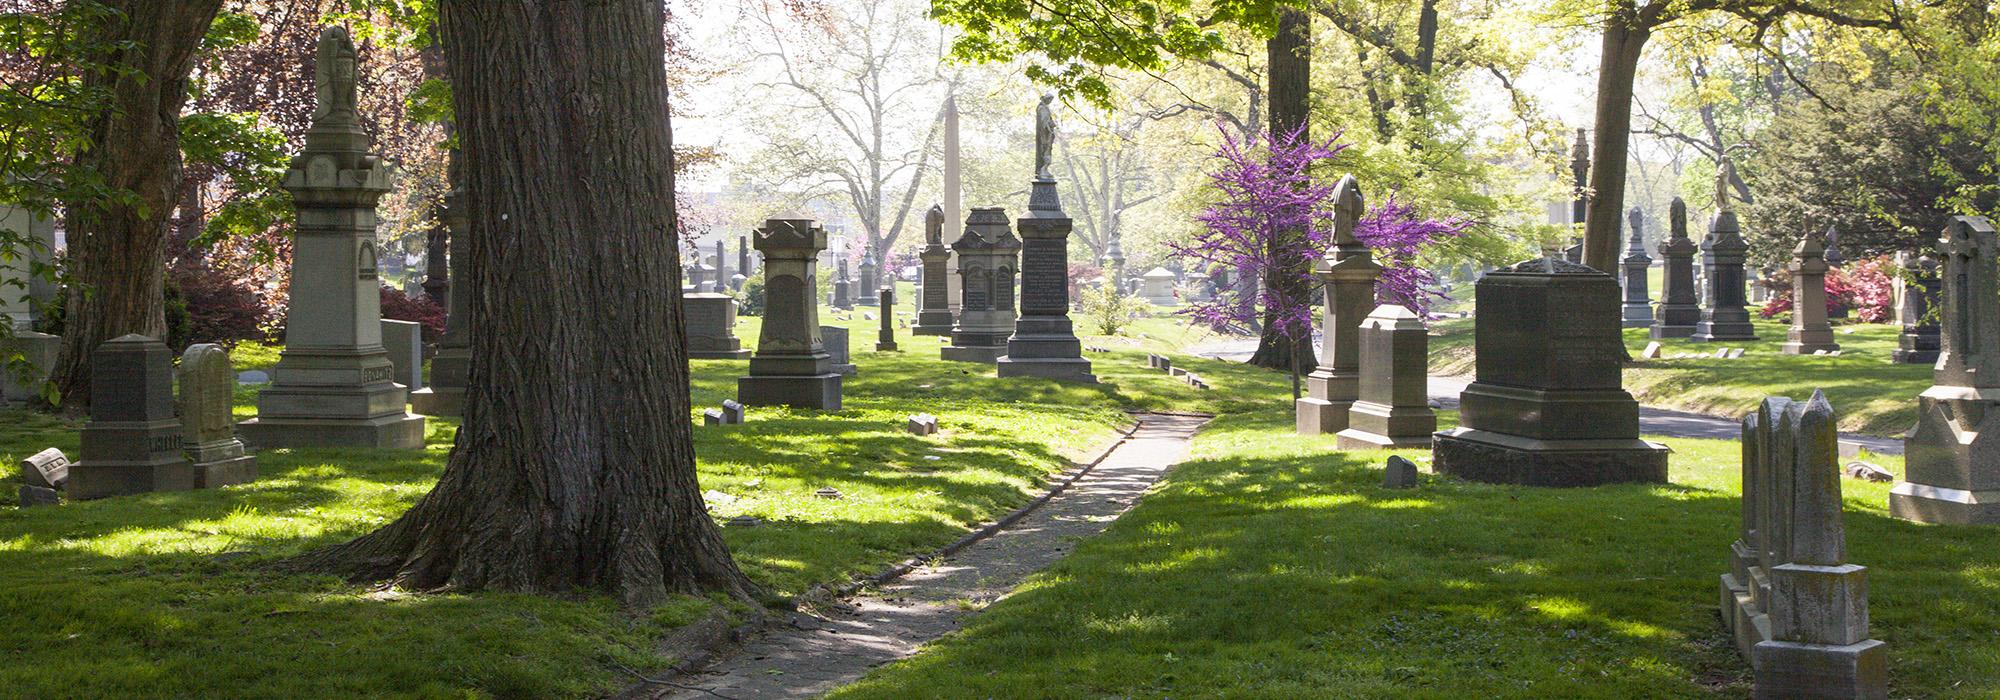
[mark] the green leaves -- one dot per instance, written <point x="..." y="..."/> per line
<point x="1068" y="44"/>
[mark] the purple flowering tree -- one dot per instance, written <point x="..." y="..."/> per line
<point x="1273" y="218"/>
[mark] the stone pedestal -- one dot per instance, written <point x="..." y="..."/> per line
<point x="1919" y="342"/>
<point x="710" y="321"/>
<point x="444" y="393"/>
<point x="843" y="288"/>
<point x="1810" y="334"/>
<point x="722" y="275"/>
<point x="1348" y="277"/>
<point x="1680" y="307"/>
<point x="1547" y="408"/>
<point x="208" y="429"/>
<point x="934" y="301"/>
<point x="1394" y="406"/>
<point x="885" y="336"/>
<point x="1951" y="460"/>
<point x="132" y="443"/>
<point x="1638" y="307"/>
<point x="334" y="386"/>
<point x="1722" y="267"/>
<point x="791" y="367"/>
<point x="987" y="261"/>
<point x="1044" y="343"/>
<point x="864" y="288"/>
<point x="1157" y="287"/>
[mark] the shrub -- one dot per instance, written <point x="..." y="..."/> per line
<point x="206" y="304"/>
<point x="396" y="305"/>
<point x="750" y="299"/>
<point x="1864" y="287"/>
<point x="1109" y="310"/>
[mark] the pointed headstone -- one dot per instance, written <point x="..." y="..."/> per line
<point x="1679" y="309"/>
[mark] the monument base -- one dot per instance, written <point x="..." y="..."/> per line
<point x="1375" y="426"/>
<point x="1807" y="348"/>
<point x="1068" y="369"/>
<point x="1913" y="357"/>
<point x="1498" y="458"/>
<point x="737" y="354"/>
<point x="1747" y="626"/>
<point x="1795" y="671"/>
<point x="391" y="432"/>
<point x="88" y="480"/>
<point x="933" y="323"/>
<point x="818" y="391"/>
<point x="1320" y="416"/>
<point x="1638" y="315"/>
<point x="1670" y="332"/>
<point x="1722" y="331"/>
<point x="1937" y="504"/>
<point x="973" y="353"/>
<point x="225" y="472"/>
<point x="438" y="401"/>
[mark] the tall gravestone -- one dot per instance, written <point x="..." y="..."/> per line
<point x="1579" y="169"/>
<point x="208" y="429"/>
<point x="1916" y="288"/>
<point x="334" y="386"/>
<point x="24" y="292"/>
<point x="1044" y="343"/>
<point x="934" y="303"/>
<point x="1394" y="405"/>
<point x="132" y="443"/>
<point x="1347" y="275"/>
<point x="1951" y="460"/>
<point x="885" y="336"/>
<point x="954" y="202"/>
<point x="842" y="287"/>
<point x="866" y="285"/>
<point x="1722" y="266"/>
<point x="444" y="394"/>
<point x="1679" y="308"/>
<point x="1791" y="602"/>
<point x="791" y="367"/>
<point x="1638" y="303"/>
<point x="1810" y="333"/>
<point x="721" y="284"/>
<point x="1548" y="407"/>
<point x="988" y="256"/>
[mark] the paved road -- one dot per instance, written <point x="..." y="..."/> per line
<point x="1652" y="421"/>
<point x="815" y="653"/>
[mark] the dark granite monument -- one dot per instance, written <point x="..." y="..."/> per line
<point x="1347" y="276"/>
<point x="1680" y="307"/>
<point x="709" y="319"/>
<point x="1547" y="407"/>
<point x="1722" y="254"/>
<point x="791" y="367"/>
<point x="988" y="257"/>
<point x="132" y="443"/>
<point x="885" y="337"/>
<point x="1044" y="343"/>
<point x="1638" y="305"/>
<point x="934" y="302"/>
<point x="444" y="394"/>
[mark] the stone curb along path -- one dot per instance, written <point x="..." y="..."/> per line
<point x="813" y="653"/>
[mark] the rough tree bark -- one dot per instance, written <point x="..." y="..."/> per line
<point x="575" y="466"/>
<point x="1625" y="35"/>
<point x="1290" y="73"/>
<point x="116" y="258"/>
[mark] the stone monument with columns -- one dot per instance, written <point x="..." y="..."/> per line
<point x="1951" y="460"/>
<point x="1810" y="334"/>
<point x="334" y="386"/>
<point x="1722" y="255"/>
<point x="988" y="257"/>
<point x="1044" y="343"/>
<point x="934" y="302"/>
<point x="1347" y="275"/>
<point x="791" y="367"/>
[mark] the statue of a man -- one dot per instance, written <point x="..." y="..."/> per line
<point x="1045" y="136"/>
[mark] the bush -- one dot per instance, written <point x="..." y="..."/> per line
<point x="1110" y="311"/>
<point x="208" y="305"/>
<point x="399" y="306"/>
<point x="750" y="299"/>
<point x="1863" y="287"/>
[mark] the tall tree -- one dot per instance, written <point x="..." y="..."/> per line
<point x="117" y="263"/>
<point x="1288" y="67"/>
<point x="575" y="466"/>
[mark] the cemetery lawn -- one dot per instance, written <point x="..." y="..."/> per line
<point x="1873" y="395"/>
<point x="1271" y="565"/>
<point x="176" y="595"/>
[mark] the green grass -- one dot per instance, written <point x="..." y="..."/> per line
<point x="173" y="595"/>
<point x="1271" y="565"/>
<point x="1875" y="396"/>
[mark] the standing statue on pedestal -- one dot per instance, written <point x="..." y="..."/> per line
<point x="1045" y="137"/>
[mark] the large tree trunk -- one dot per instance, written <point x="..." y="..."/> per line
<point x="116" y="259"/>
<point x="1624" y="38"/>
<point x="575" y="466"/>
<point x="1290" y="73"/>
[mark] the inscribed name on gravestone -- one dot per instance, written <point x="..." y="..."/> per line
<point x="1041" y="265"/>
<point x="785" y="298"/>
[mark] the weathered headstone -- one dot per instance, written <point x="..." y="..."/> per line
<point x="132" y="443"/>
<point x="1044" y="342"/>
<point x="711" y="418"/>
<point x="710" y="322"/>
<point x="1951" y="460"/>
<point x="988" y="258"/>
<point x="791" y="367"/>
<point x="335" y="386"/>
<point x="1347" y="276"/>
<point x="1157" y="287"/>
<point x="444" y="393"/>
<point x="1547" y="407"/>
<point x="921" y="424"/>
<point x="47" y="469"/>
<point x="885" y="337"/>
<point x="842" y="287"/>
<point x="1916" y="289"/>
<point x="1679" y="308"/>
<point x="404" y="341"/>
<point x="1393" y="409"/>
<point x="1794" y="606"/>
<point x="837" y="349"/>
<point x="1809" y="332"/>
<point x="1399" y="473"/>
<point x="1638" y="305"/>
<point x="934" y="315"/>
<point x="208" y="429"/>
<point x="1653" y="351"/>
<point x="698" y="274"/>
<point x="1722" y="262"/>
<point x="732" y="412"/>
<point x="867" y="282"/>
